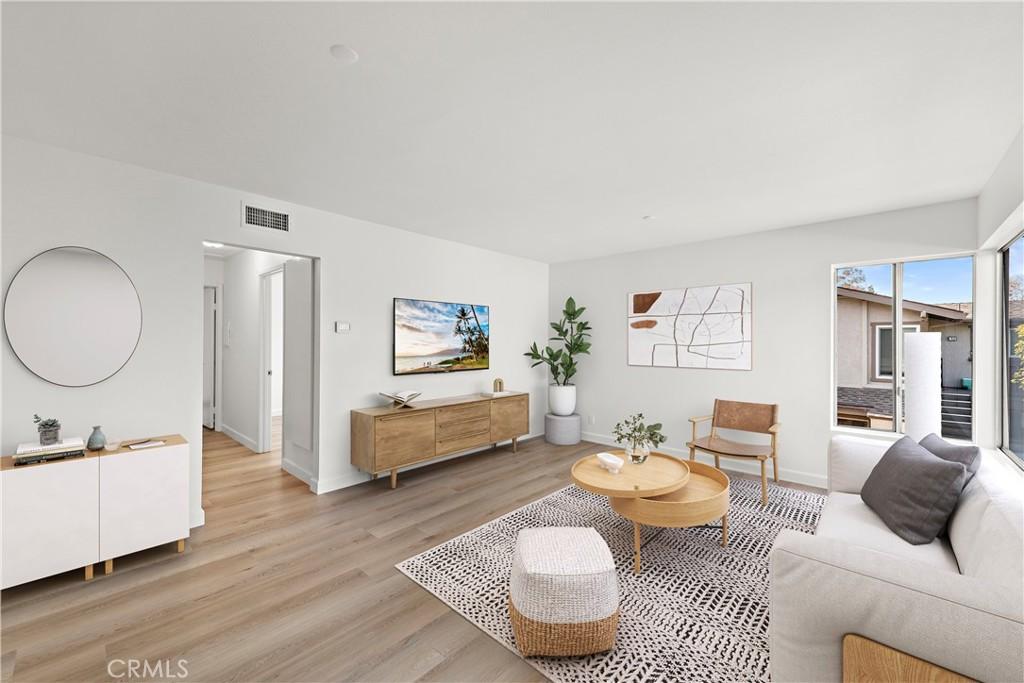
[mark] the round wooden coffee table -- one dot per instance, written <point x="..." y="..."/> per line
<point x="664" y="492"/>
<point x="659" y="474"/>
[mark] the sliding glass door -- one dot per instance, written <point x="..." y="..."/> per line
<point x="1013" y="359"/>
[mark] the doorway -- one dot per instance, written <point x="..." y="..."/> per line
<point x="260" y="339"/>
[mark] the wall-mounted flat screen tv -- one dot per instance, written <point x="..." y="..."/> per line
<point x="437" y="336"/>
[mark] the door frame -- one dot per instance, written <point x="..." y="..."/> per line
<point x="218" y="352"/>
<point x="314" y="476"/>
<point x="264" y="434"/>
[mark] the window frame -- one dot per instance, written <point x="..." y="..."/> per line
<point x="1004" y="350"/>
<point x="876" y="373"/>
<point x="897" y="321"/>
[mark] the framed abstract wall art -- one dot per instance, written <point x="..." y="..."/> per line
<point x="695" y="327"/>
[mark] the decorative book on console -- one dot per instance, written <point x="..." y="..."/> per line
<point x="401" y="398"/>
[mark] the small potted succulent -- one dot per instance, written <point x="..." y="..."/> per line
<point x="49" y="430"/>
<point x="638" y="437"/>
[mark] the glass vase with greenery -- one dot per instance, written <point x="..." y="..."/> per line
<point x="638" y="437"/>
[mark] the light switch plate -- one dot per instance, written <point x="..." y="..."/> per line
<point x="342" y="326"/>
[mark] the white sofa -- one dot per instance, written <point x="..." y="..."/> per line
<point x="957" y="602"/>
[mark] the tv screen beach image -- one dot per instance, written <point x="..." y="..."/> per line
<point x="435" y="336"/>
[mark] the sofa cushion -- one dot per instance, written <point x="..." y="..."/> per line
<point x="851" y="459"/>
<point x="986" y="530"/>
<point x="968" y="456"/>
<point x="846" y="517"/>
<point x="913" y="491"/>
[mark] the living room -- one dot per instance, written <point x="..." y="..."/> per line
<point x="714" y="215"/>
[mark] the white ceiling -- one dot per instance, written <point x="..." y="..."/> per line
<point x="540" y="129"/>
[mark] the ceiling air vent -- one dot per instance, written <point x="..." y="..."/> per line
<point x="256" y="217"/>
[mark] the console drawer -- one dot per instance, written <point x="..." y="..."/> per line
<point x="462" y="442"/>
<point x="461" y="413"/>
<point x="451" y="430"/>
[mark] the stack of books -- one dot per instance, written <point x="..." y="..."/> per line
<point x="30" y="453"/>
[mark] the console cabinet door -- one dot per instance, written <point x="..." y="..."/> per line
<point x="510" y="417"/>
<point x="50" y="520"/>
<point x="143" y="499"/>
<point x="403" y="439"/>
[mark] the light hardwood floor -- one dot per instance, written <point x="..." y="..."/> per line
<point x="284" y="585"/>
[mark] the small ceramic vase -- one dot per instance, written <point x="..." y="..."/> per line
<point x="97" y="440"/>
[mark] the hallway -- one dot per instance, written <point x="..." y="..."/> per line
<point x="233" y="474"/>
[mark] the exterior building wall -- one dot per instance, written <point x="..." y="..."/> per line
<point x="851" y="349"/>
<point x="957" y="356"/>
<point x="856" y="323"/>
<point x="855" y="336"/>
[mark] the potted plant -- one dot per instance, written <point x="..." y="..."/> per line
<point x="572" y="333"/>
<point x="638" y="437"/>
<point x="49" y="430"/>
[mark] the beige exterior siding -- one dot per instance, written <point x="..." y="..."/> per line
<point x="855" y="339"/>
<point x="851" y="349"/>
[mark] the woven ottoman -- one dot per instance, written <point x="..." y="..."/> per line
<point x="564" y="593"/>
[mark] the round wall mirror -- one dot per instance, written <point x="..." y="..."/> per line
<point x="72" y="316"/>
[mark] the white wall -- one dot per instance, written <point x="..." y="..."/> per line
<point x="240" y="407"/>
<point x="792" y="296"/>
<point x="213" y="271"/>
<point x="1000" y="219"/>
<point x="153" y="225"/>
<point x="1002" y="194"/>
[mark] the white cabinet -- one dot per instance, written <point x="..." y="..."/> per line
<point x="50" y="520"/>
<point x="143" y="499"/>
<point x="70" y="514"/>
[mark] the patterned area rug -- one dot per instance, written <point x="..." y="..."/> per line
<point x="698" y="612"/>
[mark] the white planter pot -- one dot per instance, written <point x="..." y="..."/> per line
<point x="562" y="400"/>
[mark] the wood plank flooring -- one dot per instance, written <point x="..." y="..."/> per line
<point x="284" y="585"/>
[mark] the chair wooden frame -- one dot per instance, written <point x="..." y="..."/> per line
<point x="732" y="449"/>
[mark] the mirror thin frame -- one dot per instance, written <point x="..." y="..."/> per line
<point x="131" y="282"/>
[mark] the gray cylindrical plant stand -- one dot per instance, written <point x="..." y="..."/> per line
<point x="563" y="430"/>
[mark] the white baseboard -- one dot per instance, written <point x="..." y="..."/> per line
<point x="239" y="437"/>
<point x="320" y="486"/>
<point x="728" y="464"/>
<point x="300" y="473"/>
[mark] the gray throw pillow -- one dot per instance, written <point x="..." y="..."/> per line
<point x="968" y="456"/>
<point x="914" y="491"/>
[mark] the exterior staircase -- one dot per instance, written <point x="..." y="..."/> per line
<point x="956" y="413"/>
